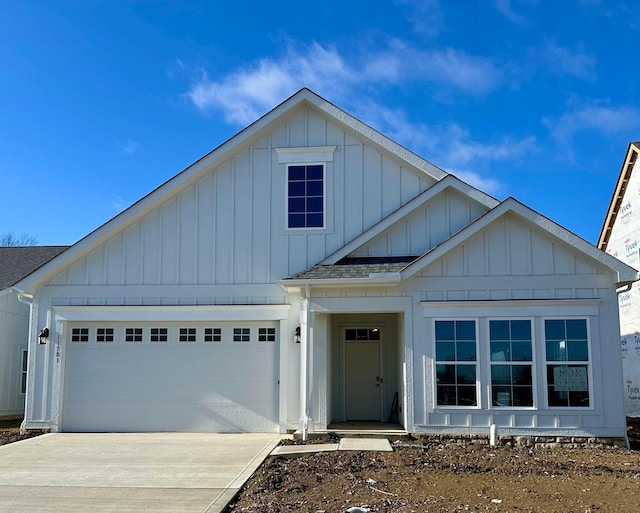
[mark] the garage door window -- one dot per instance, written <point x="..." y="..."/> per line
<point x="187" y="335"/>
<point x="159" y="335"/>
<point x="266" y="334"/>
<point x="104" y="335"/>
<point x="80" y="335"/>
<point x="133" y="335"/>
<point x="241" y="334"/>
<point x="213" y="334"/>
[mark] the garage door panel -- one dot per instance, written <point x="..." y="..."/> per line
<point x="172" y="386"/>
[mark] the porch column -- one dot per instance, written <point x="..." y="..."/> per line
<point x="306" y="351"/>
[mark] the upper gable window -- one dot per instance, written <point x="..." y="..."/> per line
<point x="305" y="196"/>
<point x="308" y="177"/>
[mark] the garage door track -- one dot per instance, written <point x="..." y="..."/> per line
<point x="129" y="472"/>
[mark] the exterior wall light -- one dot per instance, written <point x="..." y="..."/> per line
<point x="44" y="335"/>
<point x="296" y="335"/>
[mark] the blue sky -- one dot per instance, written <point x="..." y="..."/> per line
<point x="101" y="101"/>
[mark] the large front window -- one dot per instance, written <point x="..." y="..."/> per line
<point x="511" y="357"/>
<point x="305" y="196"/>
<point x="456" y="363"/>
<point x="567" y="351"/>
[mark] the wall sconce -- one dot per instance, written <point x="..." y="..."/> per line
<point x="44" y="335"/>
<point x="296" y="335"/>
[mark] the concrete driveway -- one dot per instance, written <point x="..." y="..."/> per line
<point x="129" y="472"/>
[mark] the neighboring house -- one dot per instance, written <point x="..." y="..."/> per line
<point x="15" y="264"/>
<point x="309" y="271"/>
<point x="620" y="237"/>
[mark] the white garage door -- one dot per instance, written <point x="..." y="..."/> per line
<point x="219" y="377"/>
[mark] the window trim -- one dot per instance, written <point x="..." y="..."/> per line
<point x="531" y="363"/>
<point x="476" y="363"/>
<point x="588" y="363"/>
<point x="324" y="197"/>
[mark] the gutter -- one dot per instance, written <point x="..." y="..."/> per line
<point x="27" y="299"/>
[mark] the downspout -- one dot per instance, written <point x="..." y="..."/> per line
<point x="27" y="299"/>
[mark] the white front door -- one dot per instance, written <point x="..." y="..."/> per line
<point x="363" y="378"/>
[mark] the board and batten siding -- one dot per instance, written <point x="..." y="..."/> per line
<point x="229" y="227"/>
<point x="511" y="259"/>
<point x="441" y="217"/>
<point x="14" y="322"/>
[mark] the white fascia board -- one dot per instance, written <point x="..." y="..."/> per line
<point x="448" y="182"/>
<point x="173" y="313"/>
<point x="626" y="274"/>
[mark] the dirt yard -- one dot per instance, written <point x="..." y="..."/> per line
<point x="429" y="475"/>
<point x="10" y="432"/>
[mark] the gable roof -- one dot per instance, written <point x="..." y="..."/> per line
<point x="20" y="261"/>
<point x="448" y="182"/>
<point x="413" y="266"/>
<point x="204" y="165"/>
<point x="618" y="194"/>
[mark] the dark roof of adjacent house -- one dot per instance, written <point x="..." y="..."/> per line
<point x="20" y="261"/>
<point x="354" y="267"/>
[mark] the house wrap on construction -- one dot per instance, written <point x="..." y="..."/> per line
<point x="620" y="237"/>
<point x="310" y="271"/>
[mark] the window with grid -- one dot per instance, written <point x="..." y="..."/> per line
<point x="266" y="334"/>
<point x="104" y="335"/>
<point x="456" y="363"/>
<point x="79" y="334"/>
<point x="187" y="335"/>
<point x="305" y="206"/>
<point x="23" y="372"/>
<point x="213" y="334"/>
<point x="567" y="352"/>
<point x="241" y="334"/>
<point x="159" y="335"/>
<point x="511" y="362"/>
<point x="133" y="335"/>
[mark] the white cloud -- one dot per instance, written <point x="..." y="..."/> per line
<point x="450" y="146"/>
<point x="426" y="16"/>
<point x="576" y="63"/>
<point x="504" y="8"/>
<point x="604" y="119"/>
<point x="118" y="203"/>
<point x="129" y="147"/>
<point x="247" y="93"/>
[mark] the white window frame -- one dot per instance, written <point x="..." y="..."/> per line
<point x="309" y="156"/>
<point x="324" y="198"/>
<point x="475" y="362"/>
<point x="531" y="363"/>
<point x="588" y="362"/>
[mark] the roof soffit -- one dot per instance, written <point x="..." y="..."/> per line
<point x="618" y="194"/>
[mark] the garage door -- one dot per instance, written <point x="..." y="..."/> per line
<point x="218" y="377"/>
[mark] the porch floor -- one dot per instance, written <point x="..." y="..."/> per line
<point x="365" y="428"/>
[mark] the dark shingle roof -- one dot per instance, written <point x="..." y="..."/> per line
<point x="18" y="262"/>
<point x="354" y="268"/>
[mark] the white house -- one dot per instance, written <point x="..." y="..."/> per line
<point x="15" y="264"/>
<point x="620" y="237"/>
<point x="309" y="271"/>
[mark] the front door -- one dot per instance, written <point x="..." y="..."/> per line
<point x="363" y="377"/>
